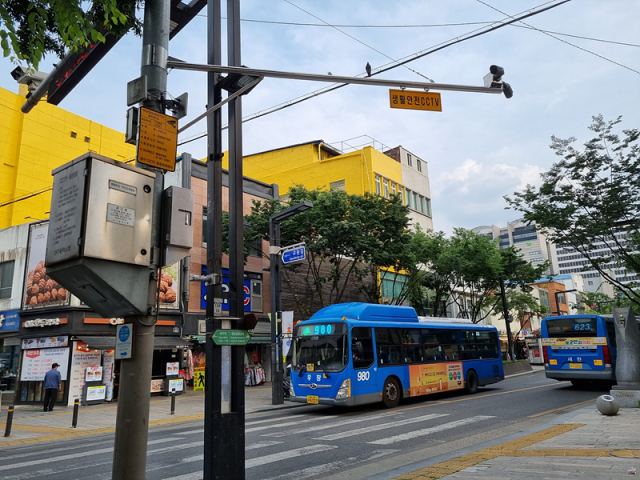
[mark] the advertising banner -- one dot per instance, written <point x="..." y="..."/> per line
<point x="45" y="342"/>
<point x="177" y="384"/>
<point x="435" y="377"/>
<point x="94" y="373"/>
<point x="108" y="362"/>
<point x="39" y="290"/>
<point x="173" y="368"/>
<point x="170" y="287"/>
<point x="36" y="362"/>
<point x="9" y="320"/>
<point x="96" y="393"/>
<point x="574" y="342"/>
<point x="80" y="361"/>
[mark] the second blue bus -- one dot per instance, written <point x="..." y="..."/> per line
<point x="358" y="353"/>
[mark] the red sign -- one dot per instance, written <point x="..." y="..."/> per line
<point x="32" y="353"/>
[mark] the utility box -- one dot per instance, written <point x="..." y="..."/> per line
<point x="99" y="242"/>
<point x="177" y="206"/>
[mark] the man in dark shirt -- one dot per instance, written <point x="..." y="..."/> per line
<point x="52" y="382"/>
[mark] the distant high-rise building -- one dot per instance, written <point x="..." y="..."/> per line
<point x="533" y="245"/>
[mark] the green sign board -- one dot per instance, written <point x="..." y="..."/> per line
<point x="230" y="337"/>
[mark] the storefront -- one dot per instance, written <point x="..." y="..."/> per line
<point x="9" y="353"/>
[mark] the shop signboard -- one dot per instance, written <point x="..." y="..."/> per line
<point x="157" y="385"/>
<point x="45" y="342"/>
<point x="97" y="392"/>
<point x="108" y="362"/>
<point x="94" y="373"/>
<point x="225" y="290"/>
<point x="81" y="360"/>
<point x="169" y="294"/>
<point x="37" y="361"/>
<point x="9" y="320"/>
<point x="173" y="368"/>
<point x="177" y="384"/>
<point x="40" y="290"/>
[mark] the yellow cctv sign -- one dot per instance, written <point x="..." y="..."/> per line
<point x="158" y="140"/>
<point x="415" y="100"/>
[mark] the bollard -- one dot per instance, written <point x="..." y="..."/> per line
<point x="76" y="407"/>
<point x="173" y="401"/>
<point x="7" y="430"/>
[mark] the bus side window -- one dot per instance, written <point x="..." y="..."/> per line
<point x="362" y="347"/>
<point x="611" y="333"/>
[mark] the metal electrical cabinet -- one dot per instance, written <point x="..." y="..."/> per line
<point x="99" y="243"/>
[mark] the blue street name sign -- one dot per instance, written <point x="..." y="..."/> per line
<point x="294" y="255"/>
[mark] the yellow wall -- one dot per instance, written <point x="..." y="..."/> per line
<point x="303" y="165"/>
<point x="33" y="144"/>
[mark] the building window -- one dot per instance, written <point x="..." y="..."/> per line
<point x="421" y="204"/>
<point x="409" y="162"/>
<point x="377" y="185"/>
<point x="419" y="164"/>
<point x="6" y="278"/>
<point x="415" y="201"/>
<point x="204" y="227"/>
<point x="427" y="205"/>
<point x="339" y="185"/>
<point x="393" y="189"/>
<point x="385" y="184"/>
<point x="407" y="194"/>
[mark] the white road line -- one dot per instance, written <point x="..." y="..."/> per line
<point x="276" y="457"/>
<point x="187" y="476"/>
<point x="320" y="427"/>
<point x="285" y="424"/>
<point x="274" y="419"/>
<point x="333" y="466"/>
<point x="197" y="458"/>
<point x="175" y="447"/>
<point x="59" y="458"/>
<point x="429" y="431"/>
<point x="380" y="426"/>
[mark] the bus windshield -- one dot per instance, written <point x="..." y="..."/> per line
<point x="315" y="351"/>
<point x="572" y="327"/>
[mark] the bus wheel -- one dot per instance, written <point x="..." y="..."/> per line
<point x="391" y="393"/>
<point x="472" y="381"/>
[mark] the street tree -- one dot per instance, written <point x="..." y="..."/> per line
<point x="31" y="29"/>
<point x="479" y="262"/>
<point x="523" y="306"/>
<point x="349" y="238"/>
<point x="592" y="196"/>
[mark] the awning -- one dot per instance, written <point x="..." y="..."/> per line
<point x="160" y="343"/>
<point x="109" y="343"/>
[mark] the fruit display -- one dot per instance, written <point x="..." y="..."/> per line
<point x="42" y="291"/>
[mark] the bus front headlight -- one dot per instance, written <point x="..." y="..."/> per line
<point x="345" y="390"/>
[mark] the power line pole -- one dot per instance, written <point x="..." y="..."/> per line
<point x="132" y="420"/>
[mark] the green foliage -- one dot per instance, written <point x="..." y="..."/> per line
<point x="522" y="306"/>
<point x="30" y="29"/>
<point x="592" y="195"/>
<point x="348" y="239"/>
<point x="597" y="303"/>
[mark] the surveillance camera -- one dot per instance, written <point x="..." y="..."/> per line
<point x="32" y="79"/>
<point x="507" y="90"/>
<point x="496" y="70"/>
<point x="17" y="73"/>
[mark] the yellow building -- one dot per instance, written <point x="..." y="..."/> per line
<point x="318" y="165"/>
<point x="33" y="144"/>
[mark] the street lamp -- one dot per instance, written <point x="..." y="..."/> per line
<point x="277" y="395"/>
<point x="506" y="309"/>
<point x="556" y="293"/>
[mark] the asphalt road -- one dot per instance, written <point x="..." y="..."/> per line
<point x="321" y="442"/>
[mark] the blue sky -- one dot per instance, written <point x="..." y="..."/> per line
<point x="478" y="149"/>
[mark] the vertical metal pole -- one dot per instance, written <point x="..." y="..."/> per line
<point x="277" y="396"/>
<point x="214" y="451"/>
<point x="76" y="407"/>
<point x="506" y="316"/>
<point x="234" y="421"/>
<point x="7" y="428"/>
<point x="173" y="401"/>
<point x="132" y="419"/>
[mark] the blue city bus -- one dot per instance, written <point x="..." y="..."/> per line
<point x="358" y="353"/>
<point x="579" y="348"/>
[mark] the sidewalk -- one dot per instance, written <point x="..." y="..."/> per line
<point x="31" y="424"/>
<point x="583" y="444"/>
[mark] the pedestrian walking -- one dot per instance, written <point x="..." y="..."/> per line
<point x="52" y="383"/>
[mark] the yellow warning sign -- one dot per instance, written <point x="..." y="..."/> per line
<point x="158" y="140"/>
<point x="415" y="100"/>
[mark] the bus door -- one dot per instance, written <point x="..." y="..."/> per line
<point x="364" y="379"/>
<point x="576" y="343"/>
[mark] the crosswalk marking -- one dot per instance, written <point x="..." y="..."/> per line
<point x="285" y="424"/>
<point x="276" y="457"/>
<point x="56" y="459"/>
<point x="254" y="446"/>
<point x="325" y="468"/>
<point x="273" y="419"/>
<point x="380" y="426"/>
<point x="319" y="427"/>
<point x="429" y="431"/>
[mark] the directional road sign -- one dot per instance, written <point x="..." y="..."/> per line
<point x="230" y="337"/>
<point x="294" y="255"/>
